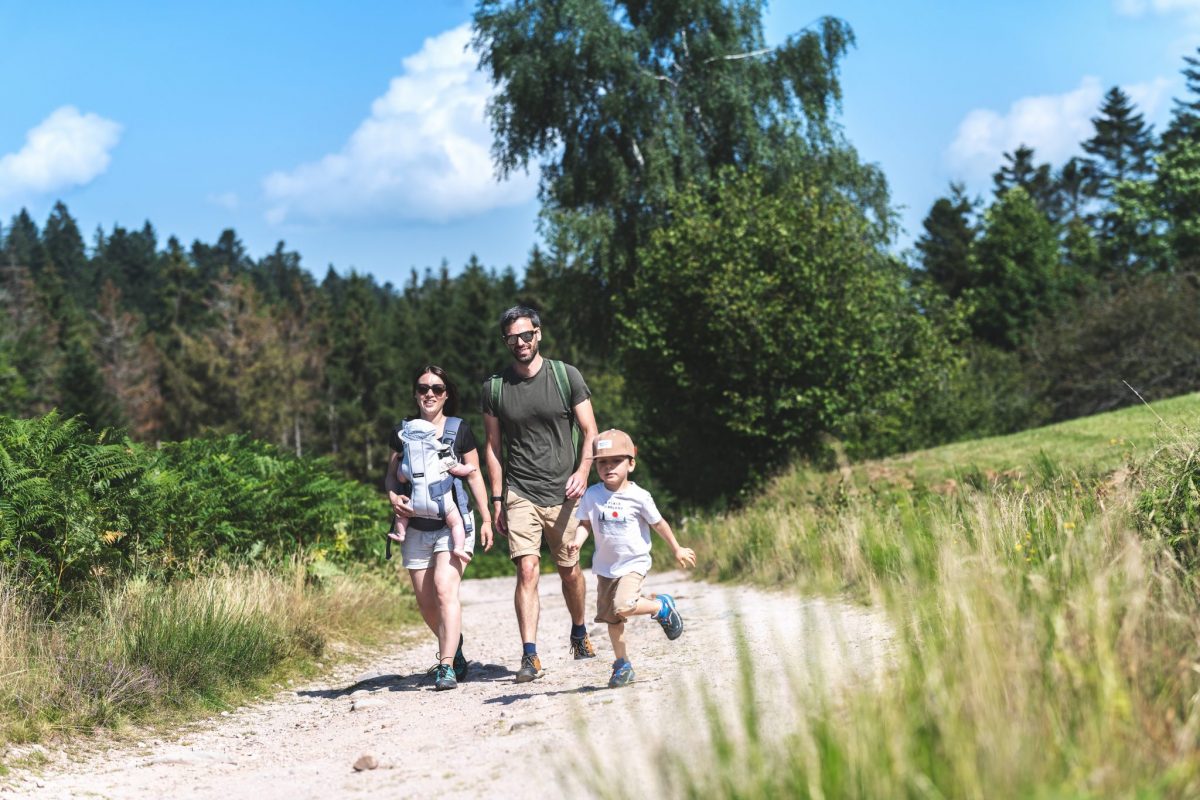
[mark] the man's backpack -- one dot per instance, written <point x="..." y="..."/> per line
<point x="559" y="372"/>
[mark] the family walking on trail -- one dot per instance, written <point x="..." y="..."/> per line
<point x="541" y="444"/>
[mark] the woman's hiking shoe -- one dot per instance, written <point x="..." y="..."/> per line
<point x="668" y="617"/>
<point x="444" y="678"/>
<point x="460" y="662"/>
<point x="531" y="667"/>
<point x="582" y="648"/>
<point x="622" y="674"/>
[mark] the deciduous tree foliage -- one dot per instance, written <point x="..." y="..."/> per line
<point x="767" y="318"/>
<point x="621" y="102"/>
<point x="1146" y="333"/>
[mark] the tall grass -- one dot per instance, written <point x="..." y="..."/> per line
<point x="1046" y="646"/>
<point x="201" y="642"/>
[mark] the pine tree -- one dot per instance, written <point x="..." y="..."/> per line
<point x="945" y="246"/>
<point x="1016" y="273"/>
<point x="1185" y="117"/>
<point x="64" y="249"/>
<point x="1121" y="148"/>
<point x="23" y="244"/>
<point x="1020" y="170"/>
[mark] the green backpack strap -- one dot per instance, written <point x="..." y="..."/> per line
<point x="559" y="370"/>
<point x="495" y="384"/>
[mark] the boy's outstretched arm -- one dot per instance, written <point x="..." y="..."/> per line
<point x="684" y="556"/>
<point x="582" y="528"/>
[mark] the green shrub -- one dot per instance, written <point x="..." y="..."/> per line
<point x="77" y="506"/>
<point x="1169" y="503"/>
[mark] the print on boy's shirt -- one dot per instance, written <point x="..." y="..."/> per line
<point x="613" y="518"/>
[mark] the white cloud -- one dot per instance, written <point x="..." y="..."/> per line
<point x="1136" y="8"/>
<point x="1053" y="125"/>
<point x="66" y="149"/>
<point x="1153" y="99"/>
<point x="423" y="153"/>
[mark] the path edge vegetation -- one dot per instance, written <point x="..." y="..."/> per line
<point x="1043" y="590"/>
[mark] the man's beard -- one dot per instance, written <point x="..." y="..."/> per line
<point x="533" y="351"/>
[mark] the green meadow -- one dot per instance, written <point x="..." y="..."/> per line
<point x="1042" y="589"/>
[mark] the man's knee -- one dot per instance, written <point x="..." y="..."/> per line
<point x="528" y="569"/>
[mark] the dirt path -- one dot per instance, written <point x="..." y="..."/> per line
<point x="492" y="737"/>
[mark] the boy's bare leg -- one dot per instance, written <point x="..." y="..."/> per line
<point x="525" y="598"/>
<point x="616" y="634"/>
<point x="399" y="528"/>
<point x="644" y="606"/>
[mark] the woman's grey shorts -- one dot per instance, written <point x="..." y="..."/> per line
<point x="419" y="546"/>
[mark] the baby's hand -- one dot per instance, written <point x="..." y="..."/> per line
<point x="685" y="557"/>
<point x="573" y="550"/>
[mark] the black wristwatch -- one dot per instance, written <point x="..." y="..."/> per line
<point x="497" y="499"/>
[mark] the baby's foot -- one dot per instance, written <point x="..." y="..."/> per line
<point x="396" y="536"/>
<point x="462" y="555"/>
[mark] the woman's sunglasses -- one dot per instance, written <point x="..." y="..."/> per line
<point x="524" y="336"/>
<point x="438" y="389"/>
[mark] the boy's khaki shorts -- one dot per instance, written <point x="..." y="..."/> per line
<point x="617" y="594"/>
<point x="529" y="522"/>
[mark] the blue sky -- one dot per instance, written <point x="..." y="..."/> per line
<point x="353" y="130"/>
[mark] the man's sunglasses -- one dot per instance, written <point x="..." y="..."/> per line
<point x="438" y="389"/>
<point x="524" y="336"/>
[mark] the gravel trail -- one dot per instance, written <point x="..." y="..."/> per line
<point x="492" y="737"/>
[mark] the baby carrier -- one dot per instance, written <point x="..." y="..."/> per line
<point x="423" y="466"/>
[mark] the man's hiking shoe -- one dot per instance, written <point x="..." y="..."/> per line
<point x="531" y="667"/>
<point x="444" y="678"/>
<point x="582" y="648"/>
<point x="460" y="662"/>
<point x="668" y="617"/>
<point x="622" y="674"/>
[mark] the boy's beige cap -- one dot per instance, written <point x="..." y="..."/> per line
<point x="613" y="443"/>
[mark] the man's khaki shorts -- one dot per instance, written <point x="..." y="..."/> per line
<point x="529" y="522"/>
<point x="617" y="594"/>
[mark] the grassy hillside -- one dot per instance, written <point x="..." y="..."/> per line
<point x="1043" y="589"/>
<point x="1091" y="445"/>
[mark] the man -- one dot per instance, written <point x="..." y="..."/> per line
<point x="536" y="485"/>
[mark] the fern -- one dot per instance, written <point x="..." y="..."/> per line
<point x="77" y="506"/>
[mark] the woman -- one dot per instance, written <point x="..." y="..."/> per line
<point x="426" y="549"/>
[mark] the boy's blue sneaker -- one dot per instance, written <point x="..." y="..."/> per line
<point x="668" y="617"/>
<point x="622" y="674"/>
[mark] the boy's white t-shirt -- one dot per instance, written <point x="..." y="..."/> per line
<point x="621" y="523"/>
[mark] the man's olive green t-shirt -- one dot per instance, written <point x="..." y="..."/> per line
<point x="536" y="427"/>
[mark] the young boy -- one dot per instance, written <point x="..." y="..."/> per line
<point x="621" y="515"/>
